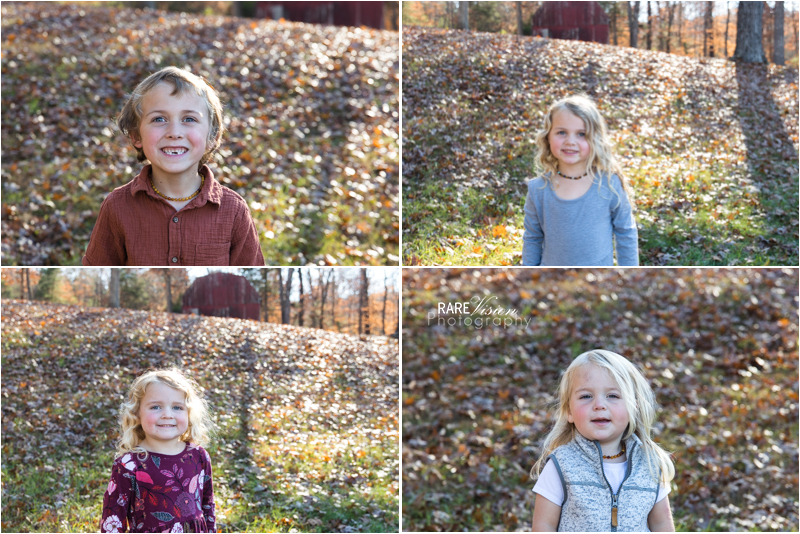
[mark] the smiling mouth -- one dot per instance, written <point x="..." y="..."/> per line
<point x="601" y="421"/>
<point x="174" y="151"/>
<point x="166" y="426"/>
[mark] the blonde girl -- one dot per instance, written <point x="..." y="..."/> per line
<point x="600" y="470"/>
<point x="582" y="200"/>
<point x="161" y="476"/>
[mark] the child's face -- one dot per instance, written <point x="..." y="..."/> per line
<point x="174" y="130"/>
<point x="163" y="413"/>
<point x="567" y="139"/>
<point x="596" y="406"/>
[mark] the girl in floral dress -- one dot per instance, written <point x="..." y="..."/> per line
<point x="161" y="477"/>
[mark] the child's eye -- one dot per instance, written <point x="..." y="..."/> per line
<point x="190" y="119"/>
<point x="585" y="396"/>
<point x="155" y="407"/>
<point x="159" y="119"/>
<point x="583" y="134"/>
<point x="614" y="395"/>
<point x="179" y="407"/>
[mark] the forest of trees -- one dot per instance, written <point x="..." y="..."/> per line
<point x="350" y="300"/>
<point x="697" y="29"/>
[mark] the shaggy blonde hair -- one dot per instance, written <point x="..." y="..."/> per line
<point x="131" y="431"/>
<point x="601" y="155"/>
<point x="640" y="402"/>
<point x="182" y="81"/>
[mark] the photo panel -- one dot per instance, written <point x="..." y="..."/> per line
<point x="534" y="132"/>
<point x="298" y="369"/>
<point x="485" y="352"/>
<point x="289" y="112"/>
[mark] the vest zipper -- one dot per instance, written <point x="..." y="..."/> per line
<point x="615" y="496"/>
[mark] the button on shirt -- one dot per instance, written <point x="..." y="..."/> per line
<point x="137" y="227"/>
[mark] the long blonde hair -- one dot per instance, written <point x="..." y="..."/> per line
<point x="601" y="154"/>
<point x="131" y="431"/>
<point x="640" y="402"/>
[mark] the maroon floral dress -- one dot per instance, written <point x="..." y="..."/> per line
<point x="164" y="493"/>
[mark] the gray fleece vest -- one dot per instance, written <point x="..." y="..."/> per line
<point x="589" y="502"/>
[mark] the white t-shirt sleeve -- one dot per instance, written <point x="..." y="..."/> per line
<point x="662" y="492"/>
<point x="549" y="484"/>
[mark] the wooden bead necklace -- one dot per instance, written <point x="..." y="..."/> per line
<point x="162" y="195"/>
<point x="571" y="177"/>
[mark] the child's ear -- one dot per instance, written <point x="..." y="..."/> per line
<point x="136" y="140"/>
<point x="569" y="416"/>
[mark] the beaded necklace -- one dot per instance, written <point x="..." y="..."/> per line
<point x="190" y="197"/>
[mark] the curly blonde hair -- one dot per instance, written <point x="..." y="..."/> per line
<point x="640" y="402"/>
<point x="183" y="81"/>
<point x="601" y="154"/>
<point x="131" y="431"/>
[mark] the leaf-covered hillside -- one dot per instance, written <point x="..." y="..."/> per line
<point x="719" y="348"/>
<point x="307" y="419"/>
<point x="710" y="146"/>
<point x="311" y="112"/>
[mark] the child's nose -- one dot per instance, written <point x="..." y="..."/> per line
<point x="174" y="131"/>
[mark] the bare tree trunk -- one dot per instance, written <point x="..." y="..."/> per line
<point x="708" y="30"/>
<point x="324" y="296"/>
<point x="680" y="28"/>
<point x="311" y="312"/>
<point x="286" y="291"/>
<point x="113" y="288"/>
<point x="265" y="293"/>
<point x="749" y="27"/>
<point x="727" y="24"/>
<point x="519" y="18"/>
<point x="385" y="298"/>
<point x="463" y="15"/>
<point x="793" y="18"/>
<point x="98" y="291"/>
<point x="633" y="23"/>
<point x="302" y="300"/>
<point x="28" y="283"/>
<point x="649" y="28"/>
<point x="671" y="16"/>
<point x="22" y="275"/>
<point x="614" y="22"/>
<point x="777" y="46"/>
<point x="168" y="284"/>
<point x="361" y="302"/>
<point x="334" y="299"/>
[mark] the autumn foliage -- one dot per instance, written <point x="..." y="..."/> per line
<point x="311" y="114"/>
<point x="719" y="348"/>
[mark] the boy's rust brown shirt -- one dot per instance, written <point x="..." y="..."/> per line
<point x="138" y="227"/>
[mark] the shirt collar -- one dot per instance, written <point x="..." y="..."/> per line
<point x="211" y="192"/>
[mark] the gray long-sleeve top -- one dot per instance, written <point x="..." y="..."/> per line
<point x="579" y="232"/>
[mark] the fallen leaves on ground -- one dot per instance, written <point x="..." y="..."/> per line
<point x="307" y="420"/>
<point x="719" y="348"/>
<point x="710" y="146"/>
<point x="311" y="113"/>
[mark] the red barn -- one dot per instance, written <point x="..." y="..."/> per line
<point x="576" y="21"/>
<point x="222" y="295"/>
<point x="329" y="13"/>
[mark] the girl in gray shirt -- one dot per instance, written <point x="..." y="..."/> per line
<point x="581" y="202"/>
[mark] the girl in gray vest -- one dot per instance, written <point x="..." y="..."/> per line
<point x="600" y="471"/>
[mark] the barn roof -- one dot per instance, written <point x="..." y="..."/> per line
<point x="556" y="14"/>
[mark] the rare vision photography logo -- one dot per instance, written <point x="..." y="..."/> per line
<point x="478" y="312"/>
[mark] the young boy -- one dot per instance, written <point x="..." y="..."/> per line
<point x="174" y="212"/>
